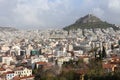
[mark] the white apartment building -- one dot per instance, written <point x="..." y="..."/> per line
<point x="7" y="59"/>
<point x="23" y="72"/>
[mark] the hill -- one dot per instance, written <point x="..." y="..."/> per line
<point x="7" y="29"/>
<point x="90" y="22"/>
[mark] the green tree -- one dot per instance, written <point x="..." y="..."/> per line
<point x="112" y="46"/>
<point x="104" y="53"/>
<point x="100" y="54"/>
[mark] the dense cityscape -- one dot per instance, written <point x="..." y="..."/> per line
<point x="59" y="54"/>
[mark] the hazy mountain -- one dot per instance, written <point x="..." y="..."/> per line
<point x="90" y="22"/>
<point x="8" y="29"/>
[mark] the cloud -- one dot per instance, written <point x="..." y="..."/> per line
<point x="26" y="14"/>
<point x="99" y="12"/>
<point x="42" y="12"/>
<point x="114" y="5"/>
<point x="55" y="13"/>
<point x="108" y="10"/>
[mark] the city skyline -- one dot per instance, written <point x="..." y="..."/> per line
<point x="44" y="14"/>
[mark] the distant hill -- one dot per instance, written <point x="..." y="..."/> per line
<point x="8" y="29"/>
<point x="90" y="22"/>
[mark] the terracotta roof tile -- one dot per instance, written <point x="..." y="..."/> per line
<point x="26" y="77"/>
<point x="41" y="63"/>
<point x="9" y="72"/>
<point x="2" y="69"/>
<point x="108" y="66"/>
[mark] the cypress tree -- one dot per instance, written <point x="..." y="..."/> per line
<point x="95" y="54"/>
<point x="118" y="42"/>
<point x="104" y="53"/>
<point x="100" y="55"/>
<point x="112" y="47"/>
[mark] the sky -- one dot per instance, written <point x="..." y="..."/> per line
<point x="48" y="14"/>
